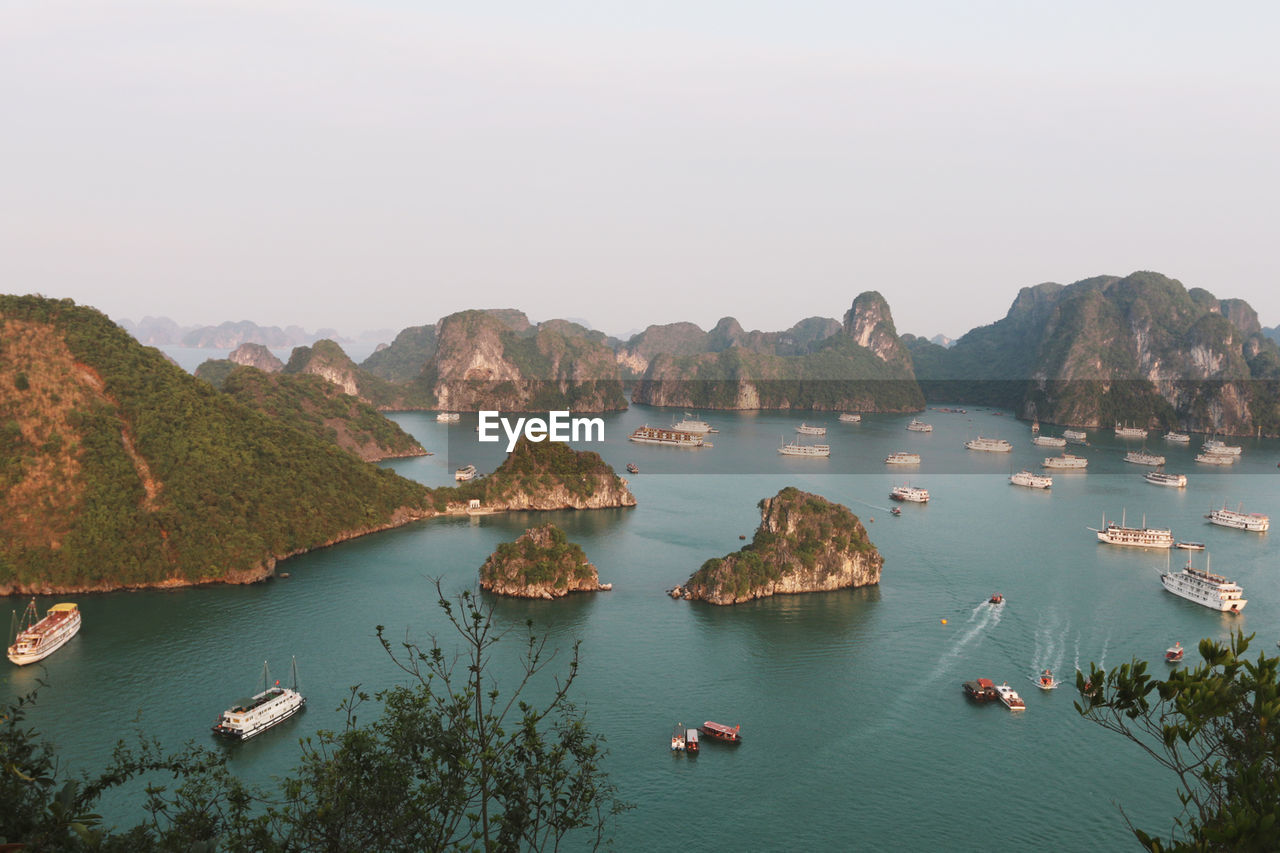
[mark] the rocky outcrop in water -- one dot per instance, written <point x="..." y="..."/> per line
<point x="805" y="543"/>
<point x="542" y="563"/>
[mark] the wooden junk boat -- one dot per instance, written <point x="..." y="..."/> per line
<point x="982" y="690"/>
<point x="717" y="731"/>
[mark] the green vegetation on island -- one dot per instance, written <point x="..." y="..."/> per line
<point x="122" y="470"/>
<point x="541" y="563"/>
<point x="805" y="543"/>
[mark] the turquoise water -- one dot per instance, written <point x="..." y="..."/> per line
<point x="856" y="732"/>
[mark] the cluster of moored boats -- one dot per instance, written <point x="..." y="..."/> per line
<point x="687" y="739"/>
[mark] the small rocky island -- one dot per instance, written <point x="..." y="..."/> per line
<point x="542" y="563"/>
<point x="805" y="543"/>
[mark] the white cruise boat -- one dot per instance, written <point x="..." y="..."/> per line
<point x="1076" y="435"/>
<point x="792" y="448"/>
<point x="1178" y="437"/>
<point x="448" y="418"/>
<point x="1220" y="448"/>
<point x="1066" y="461"/>
<point x="1130" y="432"/>
<point x="1010" y="698"/>
<point x="690" y="423"/>
<point x="990" y="445"/>
<point x="1048" y="441"/>
<point x="37" y="640"/>
<point x="850" y="418"/>
<point x="910" y="493"/>
<point x="918" y="425"/>
<point x="1253" y="521"/>
<point x="1160" y="478"/>
<point x="1134" y="537"/>
<point x="670" y="437"/>
<point x="1142" y="457"/>
<point x="902" y="459"/>
<point x="1030" y="480"/>
<point x="1204" y="587"/>
<point x="1216" y="458"/>
<point x="466" y="472"/>
<point x="805" y="429"/>
<point x="255" y="715"/>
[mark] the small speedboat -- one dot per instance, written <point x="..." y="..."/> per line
<point x="996" y="599"/>
<point x="632" y="468"/>
<point x="1189" y="546"/>
<point x="1173" y="654"/>
<point x="1046" y="681"/>
<point x="894" y="510"/>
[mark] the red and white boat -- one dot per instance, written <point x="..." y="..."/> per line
<point x="1046" y="681"/>
<point x="1010" y="698"/>
<point x="1173" y="654"/>
<point x="718" y="731"/>
<point x="37" y="640"/>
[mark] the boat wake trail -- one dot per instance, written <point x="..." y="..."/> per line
<point x="984" y="617"/>
<point x="1051" y="644"/>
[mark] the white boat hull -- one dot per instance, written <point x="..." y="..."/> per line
<point x="1222" y="605"/>
<point x="51" y="644"/>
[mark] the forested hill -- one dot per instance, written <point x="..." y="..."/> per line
<point x="119" y="469"/>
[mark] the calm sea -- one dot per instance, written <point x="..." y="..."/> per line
<point x="857" y="735"/>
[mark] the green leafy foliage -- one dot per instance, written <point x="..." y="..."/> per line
<point x="1214" y="727"/>
<point x="542" y="556"/>
<point x="453" y="762"/>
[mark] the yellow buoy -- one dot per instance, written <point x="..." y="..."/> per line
<point x="944" y="621"/>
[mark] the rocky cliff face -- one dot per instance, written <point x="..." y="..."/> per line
<point x="256" y="355"/>
<point x="482" y="362"/>
<point x="863" y="367"/>
<point x="1140" y="348"/>
<point x="326" y="360"/>
<point x="804" y="543"/>
<point x="542" y="563"/>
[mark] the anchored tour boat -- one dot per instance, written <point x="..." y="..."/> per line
<point x="909" y="493"/>
<point x="255" y="715"/>
<point x="1030" y="480"/>
<point x="690" y="423"/>
<point x="669" y="437"/>
<point x="990" y="445"/>
<point x="1130" y="432"/>
<point x="466" y="472"/>
<point x="1189" y="546"/>
<point x="805" y="429"/>
<point x="632" y="468"/>
<point x="1049" y="441"/>
<point x="1137" y="537"/>
<point x="1076" y="435"/>
<point x="850" y="418"/>
<point x="902" y="459"/>
<point x="37" y="640"/>
<point x="1204" y="587"/>
<point x="1142" y="457"/>
<point x="792" y="448"/>
<point x="1066" y="461"/>
<point x="1178" y="437"/>
<point x="1216" y="458"/>
<point x="1160" y="478"/>
<point x="918" y="425"/>
<point x="1220" y="448"/>
<point x="678" y="738"/>
<point x="1252" y="521"/>
<point x="448" y="418"/>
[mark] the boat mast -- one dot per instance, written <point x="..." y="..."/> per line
<point x="266" y="677"/>
<point x="295" y="674"/>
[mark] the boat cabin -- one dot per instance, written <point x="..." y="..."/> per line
<point x="982" y="690"/>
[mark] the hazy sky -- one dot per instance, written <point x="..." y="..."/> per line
<point x="372" y="164"/>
